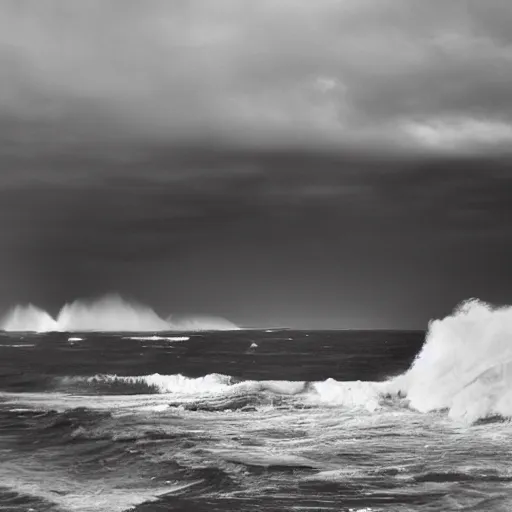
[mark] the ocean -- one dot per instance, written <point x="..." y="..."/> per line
<point x="251" y="420"/>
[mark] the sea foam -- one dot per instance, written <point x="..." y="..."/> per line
<point x="465" y="365"/>
<point x="180" y="385"/>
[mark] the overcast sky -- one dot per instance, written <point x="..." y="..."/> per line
<point x="314" y="164"/>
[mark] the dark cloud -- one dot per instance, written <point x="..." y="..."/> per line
<point x="307" y="239"/>
<point x="396" y="73"/>
<point x="332" y="163"/>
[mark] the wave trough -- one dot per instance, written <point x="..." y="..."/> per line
<point x="110" y="314"/>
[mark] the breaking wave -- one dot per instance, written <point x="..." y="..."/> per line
<point x="465" y="365"/>
<point x="463" y="368"/>
<point x="156" y="338"/>
<point x="178" y="384"/>
<point x="109" y="313"/>
<point x="209" y="391"/>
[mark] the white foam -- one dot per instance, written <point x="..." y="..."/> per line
<point x="157" y="338"/>
<point x="82" y="496"/>
<point x="60" y="402"/>
<point x="26" y="345"/>
<point x="181" y="386"/>
<point x="75" y="339"/>
<point x="335" y="475"/>
<point x="282" y="387"/>
<point x="212" y="383"/>
<point x="465" y="365"/>
<point x="356" y="394"/>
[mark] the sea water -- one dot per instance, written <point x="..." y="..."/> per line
<point x="250" y="420"/>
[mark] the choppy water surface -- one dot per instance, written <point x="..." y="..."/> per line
<point x="252" y="420"/>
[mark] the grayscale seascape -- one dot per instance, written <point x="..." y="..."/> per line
<point x="255" y="419"/>
<point x="255" y="255"/>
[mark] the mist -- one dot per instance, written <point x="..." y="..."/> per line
<point x="106" y="314"/>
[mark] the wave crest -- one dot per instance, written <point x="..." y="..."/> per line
<point x="109" y="313"/>
<point x="218" y="391"/>
<point x="213" y="383"/>
<point x="465" y="365"/>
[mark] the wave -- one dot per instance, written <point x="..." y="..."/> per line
<point x="217" y="391"/>
<point x="109" y="313"/>
<point x="178" y="384"/>
<point x="463" y="368"/>
<point x="465" y="365"/>
<point x="155" y="338"/>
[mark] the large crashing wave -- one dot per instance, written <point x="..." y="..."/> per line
<point x="465" y="365"/>
<point x="110" y="313"/>
<point x="464" y="368"/>
<point x="29" y="318"/>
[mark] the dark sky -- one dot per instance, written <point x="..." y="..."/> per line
<point x="317" y="164"/>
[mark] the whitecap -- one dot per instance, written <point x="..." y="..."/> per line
<point x="465" y="365"/>
<point x="157" y="338"/>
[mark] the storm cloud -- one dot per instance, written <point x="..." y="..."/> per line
<point x="314" y="164"/>
<point x="302" y="239"/>
<point x="409" y="75"/>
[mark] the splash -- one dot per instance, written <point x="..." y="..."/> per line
<point x="201" y="323"/>
<point x="29" y="318"/>
<point x="465" y="365"/>
<point x="109" y="313"/>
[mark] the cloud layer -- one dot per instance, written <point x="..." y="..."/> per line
<point x="405" y="74"/>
